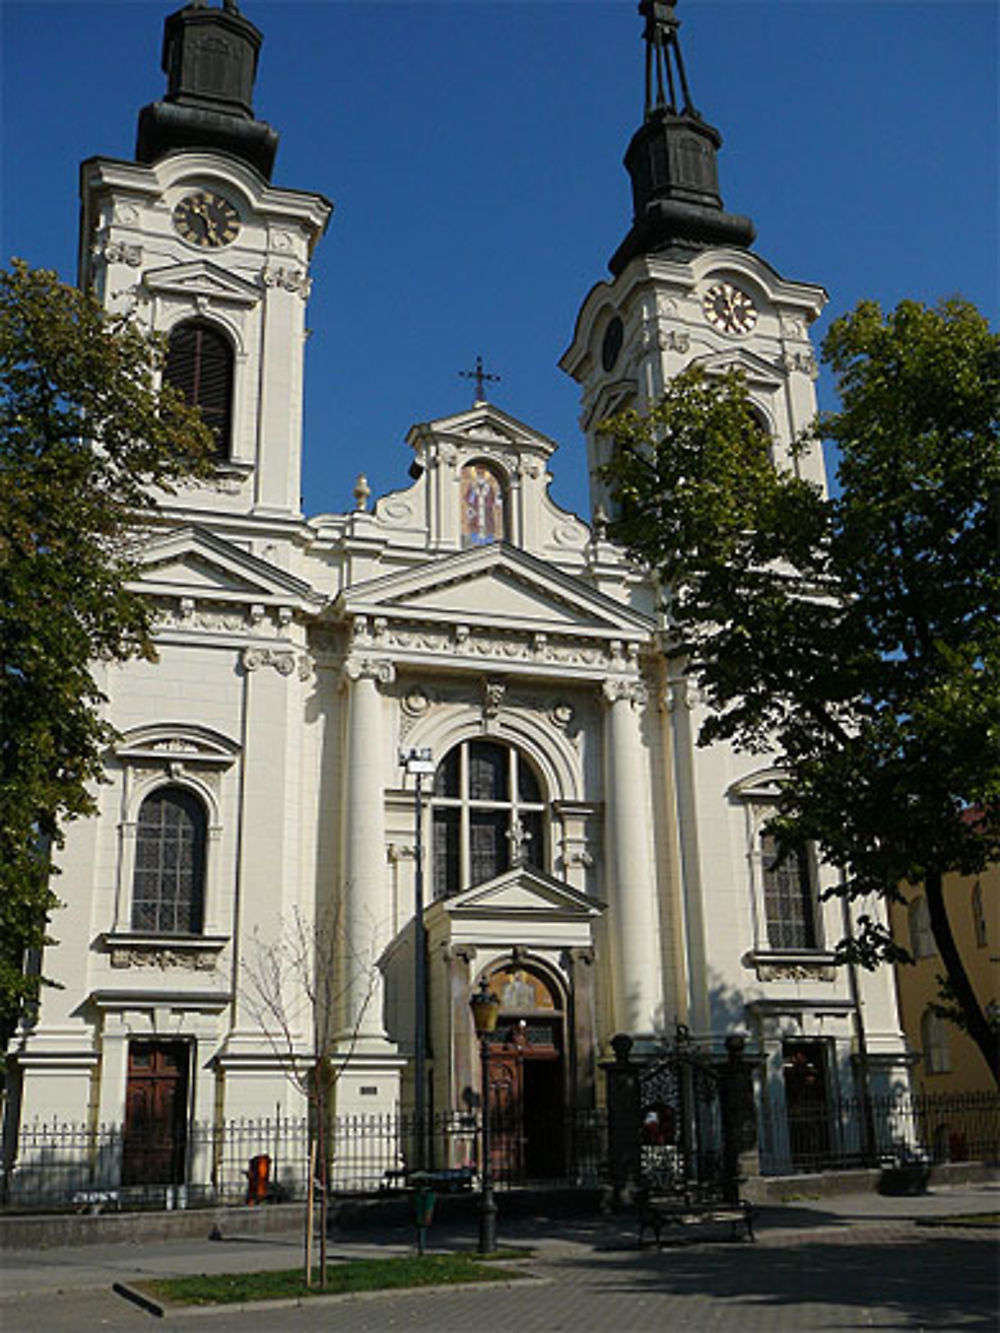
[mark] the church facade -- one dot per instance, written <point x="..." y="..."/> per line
<point x="576" y="849"/>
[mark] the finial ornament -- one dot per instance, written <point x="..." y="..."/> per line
<point x="661" y="44"/>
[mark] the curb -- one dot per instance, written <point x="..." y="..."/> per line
<point x="153" y="1307"/>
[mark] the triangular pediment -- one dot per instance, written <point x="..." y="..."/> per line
<point x="757" y="370"/>
<point x="201" y="277"/>
<point x="483" y="423"/>
<point x="192" y="562"/>
<point x="523" y="893"/>
<point x="496" y="585"/>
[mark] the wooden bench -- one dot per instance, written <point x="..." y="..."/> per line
<point x="660" y="1212"/>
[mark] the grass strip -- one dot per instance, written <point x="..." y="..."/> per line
<point x="961" y="1220"/>
<point x="351" y="1275"/>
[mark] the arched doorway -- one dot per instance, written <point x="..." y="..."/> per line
<point x="527" y="1075"/>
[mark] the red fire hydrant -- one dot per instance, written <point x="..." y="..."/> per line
<point x="258" y="1179"/>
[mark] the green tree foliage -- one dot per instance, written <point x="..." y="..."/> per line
<point x="84" y="433"/>
<point x="858" y="635"/>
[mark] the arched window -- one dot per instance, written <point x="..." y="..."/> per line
<point x="488" y="815"/>
<point x="979" y="916"/>
<point x="921" y="935"/>
<point x="483" y="503"/>
<point x="934" y="1039"/>
<point x="789" y="897"/>
<point x="168" y="886"/>
<point x="200" y="364"/>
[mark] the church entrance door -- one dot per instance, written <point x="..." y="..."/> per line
<point x="527" y="1078"/>
<point x="156" y="1096"/>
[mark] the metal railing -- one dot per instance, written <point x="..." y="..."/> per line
<point x="934" y="1128"/>
<point x="58" y="1164"/>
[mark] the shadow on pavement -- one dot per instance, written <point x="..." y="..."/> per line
<point x="944" y="1282"/>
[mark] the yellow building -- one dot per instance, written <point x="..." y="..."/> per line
<point x="949" y="1064"/>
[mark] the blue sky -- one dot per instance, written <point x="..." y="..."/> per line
<point x="473" y="152"/>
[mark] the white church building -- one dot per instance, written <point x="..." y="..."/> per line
<point x="580" y="852"/>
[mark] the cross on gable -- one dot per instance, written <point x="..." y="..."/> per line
<point x="481" y="376"/>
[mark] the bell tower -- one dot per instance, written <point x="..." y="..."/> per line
<point x="195" y="242"/>
<point x="686" y="286"/>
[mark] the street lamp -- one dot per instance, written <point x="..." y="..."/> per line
<point x="485" y="1010"/>
<point x="419" y="764"/>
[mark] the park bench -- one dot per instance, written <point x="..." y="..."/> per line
<point x="674" y="1212"/>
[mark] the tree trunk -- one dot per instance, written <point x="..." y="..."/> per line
<point x="976" y="1023"/>
<point x="310" y="1203"/>
<point x="324" y="1178"/>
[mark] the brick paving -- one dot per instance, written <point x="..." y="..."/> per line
<point x="845" y="1264"/>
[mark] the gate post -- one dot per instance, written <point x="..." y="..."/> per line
<point x="624" y="1121"/>
<point x="737" y="1114"/>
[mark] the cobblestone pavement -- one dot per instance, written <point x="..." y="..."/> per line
<point x="864" y="1264"/>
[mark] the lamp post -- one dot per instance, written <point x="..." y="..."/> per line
<point x="485" y="1010"/>
<point x="419" y="764"/>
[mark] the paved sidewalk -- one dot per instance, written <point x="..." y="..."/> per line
<point x="858" y="1261"/>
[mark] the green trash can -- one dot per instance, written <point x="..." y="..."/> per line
<point x="424" y="1198"/>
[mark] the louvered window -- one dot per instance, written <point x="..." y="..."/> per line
<point x="168" y="889"/>
<point x="200" y="364"/>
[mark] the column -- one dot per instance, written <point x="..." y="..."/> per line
<point x="366" y="922"/>
<point x="579" y="963"/>
<point x="633" y="921"/>
<point x="458" y="960"/>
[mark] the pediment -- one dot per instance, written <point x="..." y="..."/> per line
<point x="192" y="562"/>
<point x="758" y="371"/>
<point x="485" y="424"/>
<point x="521" y="894"/>
<point x="201" y="277"/>
<point x="178" y="742"/>
<point x="496" y="585"/>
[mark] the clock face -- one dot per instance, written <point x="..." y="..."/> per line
<point x="206" y="220"/>
<point x="729" y="309"/>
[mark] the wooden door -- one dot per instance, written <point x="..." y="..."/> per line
<point x="156" y="1095"/>
<point x="527" y="1105"/>
<point x="506" y="1113"/>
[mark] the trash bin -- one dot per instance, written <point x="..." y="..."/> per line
<point x="258" y="1179"/>
<point x="424" y="1198"/>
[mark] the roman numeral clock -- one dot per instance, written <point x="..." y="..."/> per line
<point x="206" y="219"/>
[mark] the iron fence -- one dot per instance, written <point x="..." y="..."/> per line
<point x="60" y="1164"/>
<point x="856" y="1132"/>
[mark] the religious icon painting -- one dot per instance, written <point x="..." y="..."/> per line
<point x="482" y="505"/>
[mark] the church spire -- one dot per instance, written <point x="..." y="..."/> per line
<point x="672" y="158"/>
<point x="210" y="60"/>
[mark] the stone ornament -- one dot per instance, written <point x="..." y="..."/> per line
<point x="152" y="955"/>
<point x="626" y="690"/>
<point x="118" y="252"/>
<point x="282" y="660"/>
<point x="288" y="279"/>
<point x="369" y="668"/>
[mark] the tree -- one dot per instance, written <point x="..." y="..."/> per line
<point x="295" y="988"/>
<point x="85" y="433"/>
<point x="858" y="636"/>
